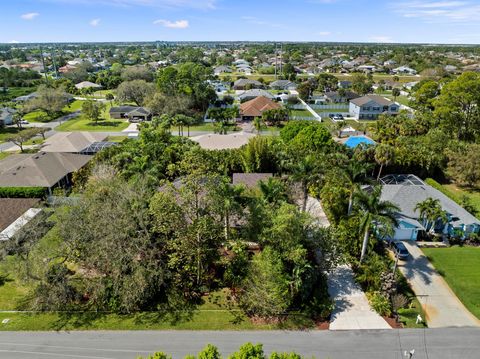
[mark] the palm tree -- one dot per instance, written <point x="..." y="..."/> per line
<point x="384" y="155"/>
<point x="229" y="200"/>
<point x="258" y="124"/>
<point x="354" y="173"/>
<point x="273" y="190"/>
<point x="431" y="212"/>
<point x="306" y="171"/>
<point x="372" y="211"/>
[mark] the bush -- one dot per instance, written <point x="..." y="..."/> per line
<point x="379" y="303"/>
<point x="399" y="301"/>
<point x="22" y="192"/>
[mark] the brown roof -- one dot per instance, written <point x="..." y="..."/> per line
<point x="256" y="107"/>
<point x="12" y="208"/>
<point x="73" y="142"/>
<point x="43" y="169"/>
<point x="375" y="98"/>
<point x="250" y="180"/>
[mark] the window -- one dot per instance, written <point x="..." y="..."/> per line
<point x="376" y="109"/>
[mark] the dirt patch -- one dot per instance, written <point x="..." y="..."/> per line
<point x="322" y="325"/>
<point x="393" y="322"/>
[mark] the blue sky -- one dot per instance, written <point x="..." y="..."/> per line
<point x="435" y="21"/>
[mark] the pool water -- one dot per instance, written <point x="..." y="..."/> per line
<point x="354" y="141"/>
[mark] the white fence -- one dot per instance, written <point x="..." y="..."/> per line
<point x="333" y="106"/>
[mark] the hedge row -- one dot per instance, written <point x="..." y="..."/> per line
<point x="22" y="192"/>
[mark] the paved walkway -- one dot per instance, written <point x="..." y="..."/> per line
<point x="442" y="307"/>
<point x="352" y="310"/>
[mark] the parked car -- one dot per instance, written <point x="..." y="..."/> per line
<point x="400" y="250"/>
<point x="24" y="122"/>
<point x="338" y="117"/>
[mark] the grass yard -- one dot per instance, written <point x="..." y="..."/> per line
<point x="301" y="113"/>
<point x="7" y="131"/>
<point x="457" y="193"/>
<point x="460" y="266"/>
<point x="116" y="138"/>
<point x="4" y="155"/>
<point x="83" y="124"/>
<point x="73" y="106"/>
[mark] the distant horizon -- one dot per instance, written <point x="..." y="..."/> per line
<point x="332" y="21"/>
<point x="241" y="42"/>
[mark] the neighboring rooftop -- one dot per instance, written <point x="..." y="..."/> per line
<point x="250" y="180"/>
<point x="72" y="142"/>
<point x="87" y="85"/>
<point x="407" y="191"/>
<point x="43" y="169"/>
<point x="368" y="98"/>
<point x="256" y="107"/>
<point x="222" y="142"/>
<point x="12" y="208"/>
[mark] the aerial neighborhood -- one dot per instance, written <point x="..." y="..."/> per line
<point x="239" y="186"/>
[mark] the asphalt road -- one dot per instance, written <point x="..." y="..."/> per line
<point x="452" y="343"/>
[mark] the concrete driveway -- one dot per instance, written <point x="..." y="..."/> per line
<point x="442" y="307"/>
<point x="352" y="310"/>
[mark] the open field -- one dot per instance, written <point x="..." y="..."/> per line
<point x="460" y="266"/>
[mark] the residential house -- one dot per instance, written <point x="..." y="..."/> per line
<point x="340" y="96"/>
<point x="250" y="180"/>
<point x="40" y="170"/>
<point x="87" y="85"/>
<point x="256" y="107"/>
<point x="246" y="84"/>
<point x="406" y="191"/>
<point x="6" y="116"/>
<point x="133" y="113"/>
<point x="369" y="107"/>
<point x="254" y="93"/>
<point x="404" y="70"/>
<point x="283" y="85"/>
<point x="221" y="70"/>
<point x="72" y="142"/>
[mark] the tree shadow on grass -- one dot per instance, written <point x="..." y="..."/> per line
<point x="105" y="123"/>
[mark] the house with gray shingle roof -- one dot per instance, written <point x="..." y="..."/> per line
<point x="369" y="107"/>
<point x="406" y="191"/>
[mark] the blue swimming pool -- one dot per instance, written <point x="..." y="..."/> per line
<point x="354" y="141"/>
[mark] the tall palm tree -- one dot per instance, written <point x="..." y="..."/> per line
<point x="383" y="156"/>
<point x="306" y="171"/>
<point x="355" y="173"/>
<point x="229" y="199"/>
<point x="372" y="211"/>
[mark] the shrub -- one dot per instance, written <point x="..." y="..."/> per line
<point x="22" y="192"/>
<point x="379" y="303"/>
<point x="399" y="301"/>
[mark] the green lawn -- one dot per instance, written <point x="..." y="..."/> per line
<point x="3" y="155"/>
<point x="116" y="138"/>
<point x="460" y="266"/>
<point x="73" y="106"/>
<point x="82" y="124"/>
<point x="301" y="113"/>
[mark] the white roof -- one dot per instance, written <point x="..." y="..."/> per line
<point x="223" y="142"/>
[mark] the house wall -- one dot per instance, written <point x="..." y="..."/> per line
<point x="371" y="110"/>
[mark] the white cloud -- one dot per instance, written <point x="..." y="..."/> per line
<point x="324" y="33"/>
<point x="381" y="38"/>
<point x="95" y="22"/>
<point x="194" y="4"/>
<point x="14" y="42"/>
<point x="439" y="11"/>
<point x="179" y="24"/>
<point x="30" y="15"/>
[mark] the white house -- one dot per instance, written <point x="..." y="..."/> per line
<point x="404" y="70"/>
<point x="369" y="107"/>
